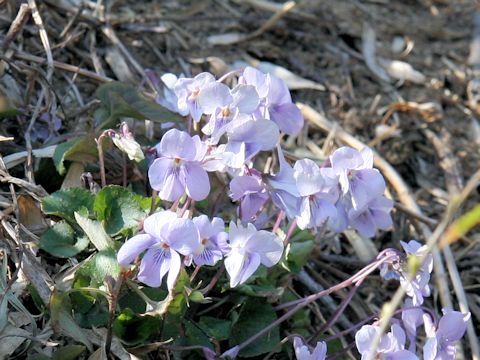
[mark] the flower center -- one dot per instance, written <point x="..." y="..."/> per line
<point x="204" y="241"/>
<point x="226" y="112"/>
<point x="194" y="94"/>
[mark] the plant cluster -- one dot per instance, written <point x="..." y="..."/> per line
<point x="181" y="254"/>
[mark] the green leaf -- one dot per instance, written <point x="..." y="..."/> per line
<point x="60" y="241"/>
<point x="65" y="202"/>
<point x="62" y="320"/>
<point x="218" y="328"/>
<point x="95" y="232"/>
<point x="68" y="352"/>
<point x="255" y="315"/>
<point x="83" y="149"/>
<point x="265" y="290"/>
<point x="134" y="329"/>
<point x="121" y="100"/>
<point x="461" y="226"/>
<point x="119" y="209"/>
<point x="296" y="255"/>
<point x="102" y="264"/>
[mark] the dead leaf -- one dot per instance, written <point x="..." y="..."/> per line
<point x="10" y="342"/>
<point x="369" y="53"/>
<point x="225" y="39"/>
<point x="402" y="71"/>
<point x="30" y="214"/>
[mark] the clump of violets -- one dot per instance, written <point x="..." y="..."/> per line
<point x="231" y="127"/>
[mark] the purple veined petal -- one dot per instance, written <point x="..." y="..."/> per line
<point x="308" y="177"/>
<point x="304" y="218"/>
<point x="382" y="219"/>
<point x="278" y="91"/>
<point x="346" y="158"/>
<point x="221" y="242"/>
<point x="320" y="351"/>
<point x="155" y="264"/>
<point x="362" y="221"/>
<point x="250" y="265"/>
<point x="288" y="117"/>
<point x="177" y="144"/>
<point x="401" y="355"/>
<point x="246" y="129"/>
<point x="452" y="326"/>
<point x="134" y="247"/>
<point x="364" y="337"/>
<point x="252" y="76"/>
<point x="284" y="179"/>
<point x="175" y="265"/>
<point x="203" y="79"/>
<point x="430" y="349"/>
<point x="411" y="320"/>
<point x="182" y="236"/>
<point x="155" y="224"/>
<point x="399" y="335"/>
<point x="173" y="186"/>
<point x="208" y="256"/>
<point x="200" y="148"/>
<point x="234" y="264"/>
<point x="243" y="185"/>
<point x="197" y="182"/>
<point x="267" y="245"/>
<point x="213" y="96"/>
<point x="301" y="350"/>
<point x="321" y="210"/>
<point x="251" y="204"/>
<point x="245" y="98"/>
<point x="234" y="155"/>
<point x="195" y="110"/>
<point x="367" y="156"/>
<point x="412" y="247"/>
<point x="204" y="226"/>
<point x="381" y="203"/>
<point x="371" y="181"/>
<point x="158" y="171"/>
<point x="218" y="225"/>
<point x="340" y="222"/>
<point x="286" y="202"/>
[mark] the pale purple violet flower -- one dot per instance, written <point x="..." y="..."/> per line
<point x="275" y="100"/>
<point x="188" y="91"/>
<point x="166" y="237"/>
<point x="303" y="353"/>
<point x="318" y="188"/>
<point x="246" y="138"/>
<point x="164" y="87"/>
<point x="441" y="341"/>
<point x="249" y="249"/>
<point x="251" y="193"/>
<point x="283" y="188"/>
<point x="374" y="215"/>
<point x="213" y="240"/>
<point x="391" y="347"/>
<point x="178" y="169"/>
<point x="358" y="180"/>
<point x="412" y="318"/>
<point x="418" y="288"/>
<point x="216" y="99"/>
